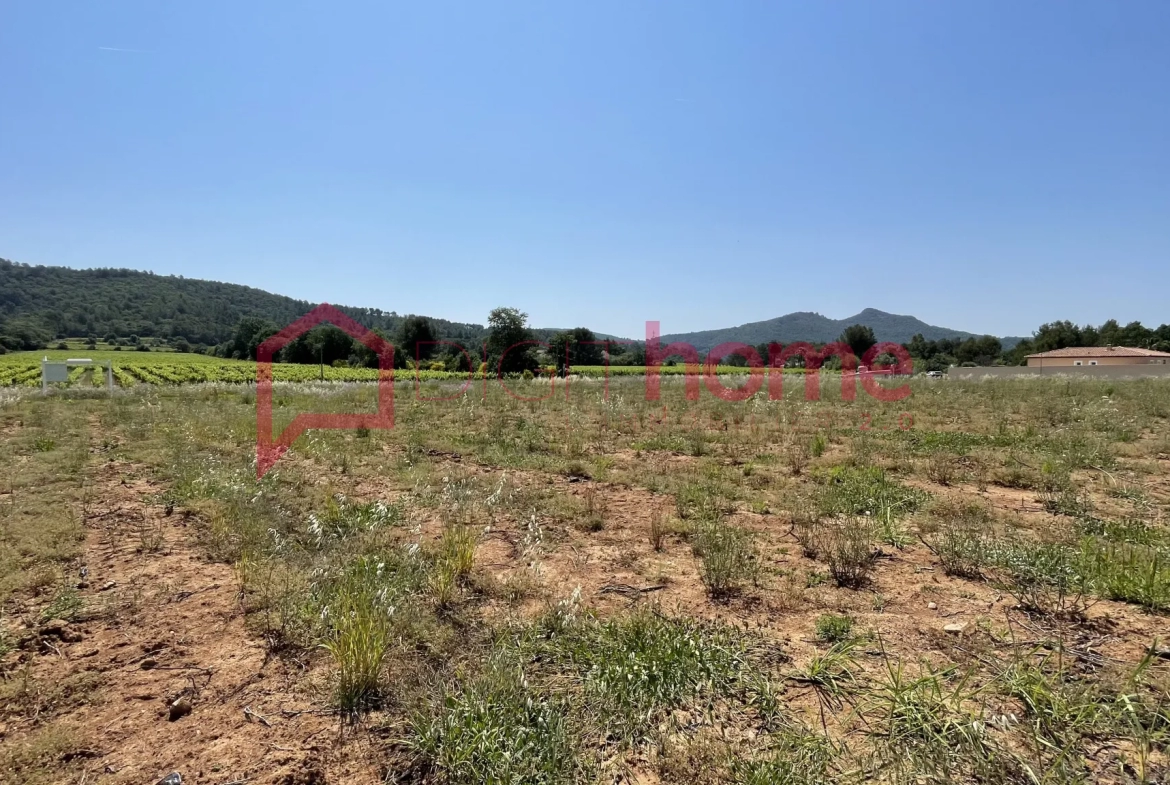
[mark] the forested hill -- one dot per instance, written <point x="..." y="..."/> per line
<point x="99" y="302"/>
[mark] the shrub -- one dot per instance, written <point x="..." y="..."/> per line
<point x="729" y="560"/>
<point x="942" y="468"/>
<point x="807" y="527"/>
<point x="962" y="540"/>
<point x="962" y="551"/>
<point x="593" y="516"/>
<point x="819" y="443"/>
<point x="797" y="452"/>
<point x="1065" y="501"/>
<point x="658" y="531"/>
<point x="848" y="551"/>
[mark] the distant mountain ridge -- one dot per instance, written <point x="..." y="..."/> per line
<point x="815" y="328"/>
<point x="99" y="301"/>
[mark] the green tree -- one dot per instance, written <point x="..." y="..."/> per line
<point x="368" y="358"/>
<point x="918" y="346"/>
<point x="1057" y="335"/>
<point x="1137" y="335"/>
<point x="23" y="335"/>
<point x="507" y="333"/>
<point x="981" y="351"/>
<point x="1109" y="334"/>
<point x="577" y="346"/>
<point x="250" y="332"/>
<point x="626" y="354"/>
<point x="416" y="336"/>
<point x="859" y="338"/>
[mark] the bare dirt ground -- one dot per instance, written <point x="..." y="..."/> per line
<point x="174" y="631"/>
<point x="165" y="666"/>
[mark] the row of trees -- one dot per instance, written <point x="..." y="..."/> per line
<point x="988" y="350"/>
<point x="510" y="345"/>
<point x="1063" y="335"/>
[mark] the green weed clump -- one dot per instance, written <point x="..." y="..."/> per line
<point x="1064" y="713"/>
<point x="868" y="492"/>
<point x="1137" y="574"/>
<point x="341" y="518"/>
<point x="497" y="730"/>
<point x="634" y="669"/>
<point x="361" y="607"/>
<point x="66" y="604"/>
<point x="353" y="606"/>
<point x="1046" y="578"/>
<point x="819" y="445"/>
<point x="359" y="643"/>
<point x="932" y="728"/>
<point x="831" y="674"/>
<point x="795" y="756"/>
<point x="832" y="628"/>
<point x="807" y="527"/>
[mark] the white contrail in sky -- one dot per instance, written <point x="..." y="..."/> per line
<point x="116" y="49"/>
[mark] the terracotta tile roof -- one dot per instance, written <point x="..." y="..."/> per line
<point x="1101" y="351"/>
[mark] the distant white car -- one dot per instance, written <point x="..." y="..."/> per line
<point x="934" y="374"/>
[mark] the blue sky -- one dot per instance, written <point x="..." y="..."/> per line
<point x="985" y="166"/>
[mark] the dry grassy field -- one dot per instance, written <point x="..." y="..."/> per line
<point x="969" y="585"/>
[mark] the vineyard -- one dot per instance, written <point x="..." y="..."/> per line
<point x="173" y="368"/>
<point x="225" y="372"/>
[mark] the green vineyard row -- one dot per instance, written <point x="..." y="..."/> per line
<point x="14" y="372"/>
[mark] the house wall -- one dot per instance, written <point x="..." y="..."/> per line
<point x="1084" y="371"/>
<point x="1066" y="362"/>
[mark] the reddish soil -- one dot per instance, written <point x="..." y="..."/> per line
<point x="167" y="625"/>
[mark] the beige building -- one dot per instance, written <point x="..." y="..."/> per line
<point x="1097" y="355"/>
